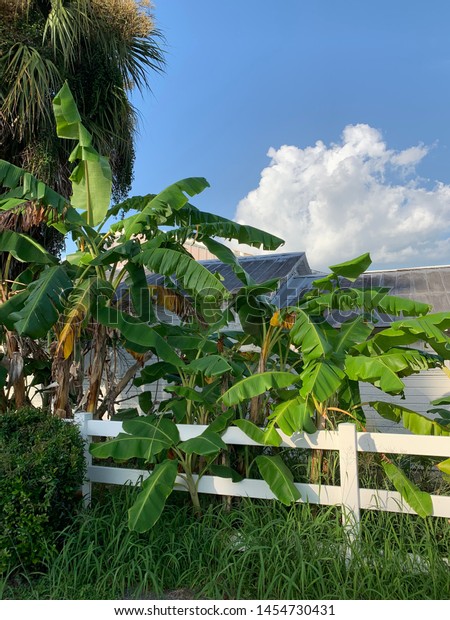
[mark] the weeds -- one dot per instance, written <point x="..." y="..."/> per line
<point x="258" y="550"/>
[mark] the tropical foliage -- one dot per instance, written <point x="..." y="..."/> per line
<point x="333" y="333"/>
<point x="302" y="370"/>
<point x="80" y="304"/>
<point x="103" y="49"/>
<point x="304" y="373"/>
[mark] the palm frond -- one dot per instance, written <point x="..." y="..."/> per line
<point x="31" y="81"/>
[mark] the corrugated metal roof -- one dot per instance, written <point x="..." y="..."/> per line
<point x="293" y="289"/>
<point x="430" y="285"/>
<point x="261" y="268"/>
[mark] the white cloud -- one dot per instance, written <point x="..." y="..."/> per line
<point x="338" y="201"/>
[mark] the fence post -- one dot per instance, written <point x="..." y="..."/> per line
<point x="81" y="419"/>
<point x="348" y="465"/>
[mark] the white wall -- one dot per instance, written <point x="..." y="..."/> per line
<point x="420" y="390"/>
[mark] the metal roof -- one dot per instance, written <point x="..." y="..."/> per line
<point x="261" y="268"/>
<point x="293" y="289"/>
<point x="430" y="285"/>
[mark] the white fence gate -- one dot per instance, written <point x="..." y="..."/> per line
<point x="345" y="440"/>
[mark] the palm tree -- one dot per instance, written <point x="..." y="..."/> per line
<point x="103" y="49"/>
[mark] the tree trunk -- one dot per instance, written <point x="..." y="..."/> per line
<point x="16" y="378"/>
<point x="60" y="374"/>
<point x="256" y="413"/>
<point x="95" y="372"/>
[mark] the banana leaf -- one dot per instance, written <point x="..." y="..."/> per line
<point x="411" y="420"/>
<point x="43" y="304"/>
<point x="91" y="178"/>
<point x="417" y="499"/>
<point x="25" y="249"/>
<point x="257" y="384"/>
<point x="150" y="503"/>
<point x="279" y="478"/>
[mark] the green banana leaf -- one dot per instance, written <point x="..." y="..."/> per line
<point x="321" y="379"/>
<point x="192" y="343"/>
<point x="279" y="478"/>
<point x="222" y="421"/>
<point x="384" y="370"/>
<point x="413" y="421"/>
<point x="349" y="399"/>
<point x="145" y="400"/>
<point x="211" y="225"/>
<point x="377" y="299"/>
<point x="25" y="249"/>
<point x="158" y="209"/>
<point x="444" y="466"/>
<point x="43" y="304"/>
<point x="25" y="187"/>
<point x="118" y="253"/>
<point x="91" y="178"/>
<point x="351" y="333"/>
<point x="206" y="444"/>
<point x="186" y="392"/>
<point x="391" y="338"/>
<point x="223" y="471"/>
<point x="226" y="256"/>
<point x="266" y="437"/>
<point x="136" y="331"/>
<point x="208" y="366"/>
<point x="134" y="203"/>
<point x="293" y="416"/>
<point x="445" y="400"/>
<point x="234" y="232"/>
<point x="150" y="503"/>
<point x="256" y="385"/>
<point x="353" y="268"/>
<point x="79" y="258"/>
<point x="140" y="292"/>
<point x="11" y="308"/>
<point x="326" y="283"/>
<point x="154" y="372"/>
<point x="192" y="275"/>
<point x="417" y="499"/>
<point x="158" y="429"/>
<point x="429" y="328"/>
<point x="143" y="438"/>
<point x="310" y="336"/>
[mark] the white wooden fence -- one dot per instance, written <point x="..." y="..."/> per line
<point x="345" y="440"/>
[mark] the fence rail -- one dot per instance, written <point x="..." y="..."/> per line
<point x="345" y="440"/>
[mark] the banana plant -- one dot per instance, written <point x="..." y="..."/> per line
<point x="76" y="303"/>
<point x="156" y="440"/>
<point x="324" y="388"/>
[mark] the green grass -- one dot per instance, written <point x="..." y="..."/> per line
<point x="258" y="550"/>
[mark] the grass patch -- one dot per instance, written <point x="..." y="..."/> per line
<point x="257" y="550"/>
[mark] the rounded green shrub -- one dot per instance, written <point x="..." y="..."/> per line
<point x="41" y="471"/>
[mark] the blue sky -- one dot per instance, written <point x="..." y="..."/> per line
<point x="369" y="80"/>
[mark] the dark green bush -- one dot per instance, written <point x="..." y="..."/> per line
<point x="41" y="471"/>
